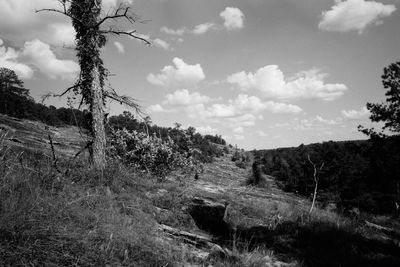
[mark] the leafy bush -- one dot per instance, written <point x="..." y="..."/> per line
<point x="150" y="153"/>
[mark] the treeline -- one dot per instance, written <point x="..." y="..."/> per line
<point x="354" y="174"/>
<point x="18" y="103"/>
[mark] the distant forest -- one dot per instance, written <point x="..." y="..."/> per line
<point x="16" y="101"/>
<point x="355" y="174"/>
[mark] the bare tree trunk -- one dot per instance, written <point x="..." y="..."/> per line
<point x="99" y="136"/>
<point x="315" y="181"/>
<point x="315" y="195"/>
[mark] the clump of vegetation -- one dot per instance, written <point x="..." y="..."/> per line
<point x="152" y="154"/>
<point x="209" y="146"/>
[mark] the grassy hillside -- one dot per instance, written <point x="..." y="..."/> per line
<point x="73" y="215"/>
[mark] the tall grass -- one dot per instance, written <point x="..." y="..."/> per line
<point x="76" y="217"/>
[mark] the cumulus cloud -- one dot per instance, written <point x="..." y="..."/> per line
<point x="271" y="82"/>
<point x="242" y="106"/>
<point x="157" y="108"/>
<point x="39" y="54"/>
<point x="233" y="18"/>
<point x="182" y="74"/>
<point x="120" y="47"/>
<point x="356" y="114"/>
<point x="161" y="44"/>
<point x="178" y="32"/>
<point x="203" y="28"/>
<point x="9" y="58"/>
<point x="20" y="22"/>
<point x="355" y="15"/>
<point x="184" y="98"/>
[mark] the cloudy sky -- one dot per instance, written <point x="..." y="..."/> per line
<point x="262" y="73"/>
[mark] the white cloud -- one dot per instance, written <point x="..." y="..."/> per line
<point x="355" y="15"/>
<point x="120" y="47"/>
<point x="157" y="108"/>
<point x="271" y="82"/>
<point x="233" y="18"/>
<point x="9" y="58"/>
<point x="39" y="54"/>
<point x="181" y="74"/>
<point x="178" y="32"/>
<point x="242" y="108"/>
<point x="356" y="114"/>
<point x="62" y="33"/>
<point x="184" y="98"/>
<point x="203" y="28"/>
<point x="238" y="130"/>
<point x="245" y="103"/>
<point x="326" y="121"/>
<point x="20" y="22"/>
<point x="161" y="44"/>
<point x="206" y="130"/>
<point x="317" y="123"/>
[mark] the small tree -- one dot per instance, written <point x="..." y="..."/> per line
<point x="389" y="112"/>
<point x="89" y="21"/>
<point x="10" y="85"/>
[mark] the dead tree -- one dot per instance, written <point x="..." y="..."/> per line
<point x="89" y="23"/>
<point x="315" y="180"/>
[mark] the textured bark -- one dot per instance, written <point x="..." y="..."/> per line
<point x="99" y="136"/>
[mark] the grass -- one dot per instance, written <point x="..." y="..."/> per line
<point x="77" y="217"/>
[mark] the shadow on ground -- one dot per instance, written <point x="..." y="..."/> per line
<point x="317" y="244"/>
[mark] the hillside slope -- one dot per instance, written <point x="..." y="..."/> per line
<point x="125" y="218"/>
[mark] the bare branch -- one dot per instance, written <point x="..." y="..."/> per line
<point x="126" y="100"/>
<point x="120" y="12"/>
<point x="60" y="95"/>
<point x="64" y="10"/>
<point x="128" y="33"/>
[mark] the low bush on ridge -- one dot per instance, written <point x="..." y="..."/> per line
<point x="152" y="154"/>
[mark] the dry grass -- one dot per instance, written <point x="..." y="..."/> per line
<point x="79" y="217"/>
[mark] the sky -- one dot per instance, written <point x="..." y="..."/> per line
<point x="261" y="73"/>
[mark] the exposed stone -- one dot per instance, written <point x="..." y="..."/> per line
<point x="210" y="216"/>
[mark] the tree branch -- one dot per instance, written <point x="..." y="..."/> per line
<point x="60" y="95"/>
<point x="126" y="100"/>
<point x="118" y="15"/>
<point x="128" y="33"/>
